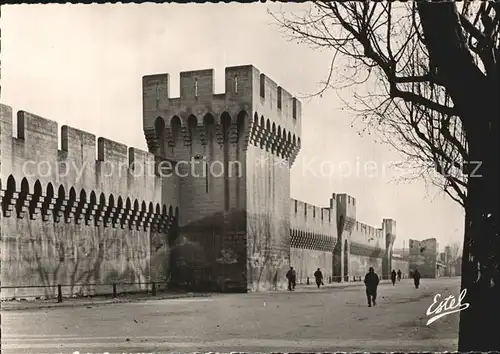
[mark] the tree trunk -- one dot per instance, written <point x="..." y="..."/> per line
<point x="475" y="99"/>
<point x="481" y="255"/>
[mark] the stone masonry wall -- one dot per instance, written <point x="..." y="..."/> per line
<point x="206" y="135"/>
<point x="307" y="261"/>
<point x="212" y="189"/>
<point x="367" y="249"/>
<point x="367" y="235"/>
<point x="268" y="222"/>
<point x="218" y="167"/>
<point x="230" y="213"/>
<point x="422" y="255"/>
<point x="401" y="264"/>
<point x="359" y="266"/>
<point x="70" y="217"/>
<point x="313" y="239"/>
<point x="274" y="145"/>
<point x="359" y="244"/>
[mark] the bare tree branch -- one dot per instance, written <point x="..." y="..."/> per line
<point x="384" y="44"/>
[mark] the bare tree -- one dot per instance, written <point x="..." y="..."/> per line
<point x="426" y="74"/>
<point x="455" y="252"/>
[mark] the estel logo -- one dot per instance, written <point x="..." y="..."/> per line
<point x="446" y="307"/>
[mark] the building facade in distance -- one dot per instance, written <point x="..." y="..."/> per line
<point x="423" y="255"/>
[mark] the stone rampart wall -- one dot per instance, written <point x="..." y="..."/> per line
<point x="268" y="221"/>
<point x="307" y="261"/>
<point x="95" y="211"/>
<point x="313" y="237"/>
<point x="359" y="265"/>
<point x="398" y="263"/>
<point x="369" y="236"/>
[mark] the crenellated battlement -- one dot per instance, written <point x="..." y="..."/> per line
<point x="360" y="234"/>
<point x="368" y="231"/>
<point x="84" y="163"/>
<point x="389" y="226"/>
<point x="253" y="108"/>
<point x="105" y="209"/>
<point x="313" y="218"/>
<point x="311" y="212"/>
<point x="245" y="85"/>
<point x="312" y="227"/>
<point x="367" y="235"/>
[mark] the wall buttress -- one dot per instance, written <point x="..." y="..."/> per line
<point x="219" y="134"/>
<point x="70" y="210"/>
<point x="81" y="210"/>
<point x="202" y="134"/>
<point x="22" y="205"/>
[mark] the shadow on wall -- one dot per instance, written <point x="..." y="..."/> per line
<point x="210" y="255"/>
<point x="189" y="266"/>
<point x="94" y="240"/>
<point x="362" y="257"/>
<point x="81" y="259"/>
<point x="50" y="237"/>
<point x="269" y="258"/>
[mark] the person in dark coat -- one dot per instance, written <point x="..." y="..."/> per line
<point x="319" y="277"/>
<point x="291" y="276"/>
<point x="393" y="277"/>
<point x="399" y="274"/>
<point x="371" y="282"/>
<point x="416" y="278"/>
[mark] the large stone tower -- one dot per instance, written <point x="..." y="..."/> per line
<point x="233" y="152"/>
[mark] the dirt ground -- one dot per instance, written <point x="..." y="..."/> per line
<point x="330" y="319"/>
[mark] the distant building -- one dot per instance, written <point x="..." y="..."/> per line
<point x="423" y="255"/>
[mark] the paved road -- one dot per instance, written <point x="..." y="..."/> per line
<point x="332" y="319"/>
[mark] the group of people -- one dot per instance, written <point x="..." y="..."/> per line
<point x="371" y="281"/>
<point x="292" y="278"/>
<point x="395" y="275"/>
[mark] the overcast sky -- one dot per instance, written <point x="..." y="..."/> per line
<point x="82" y="65"/>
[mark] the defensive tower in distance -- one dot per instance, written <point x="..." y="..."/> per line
<point x="233" y="153"/>
<point x="360" y="246"/>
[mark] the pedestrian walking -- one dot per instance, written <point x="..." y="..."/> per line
<point x="371" y="282"/>
<point x="393" y="277"/>
<point x="399" y="274"/>
<point x="291" y="276"/>
<point x="319" y="277"/>
<point x="416" y="278"/>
